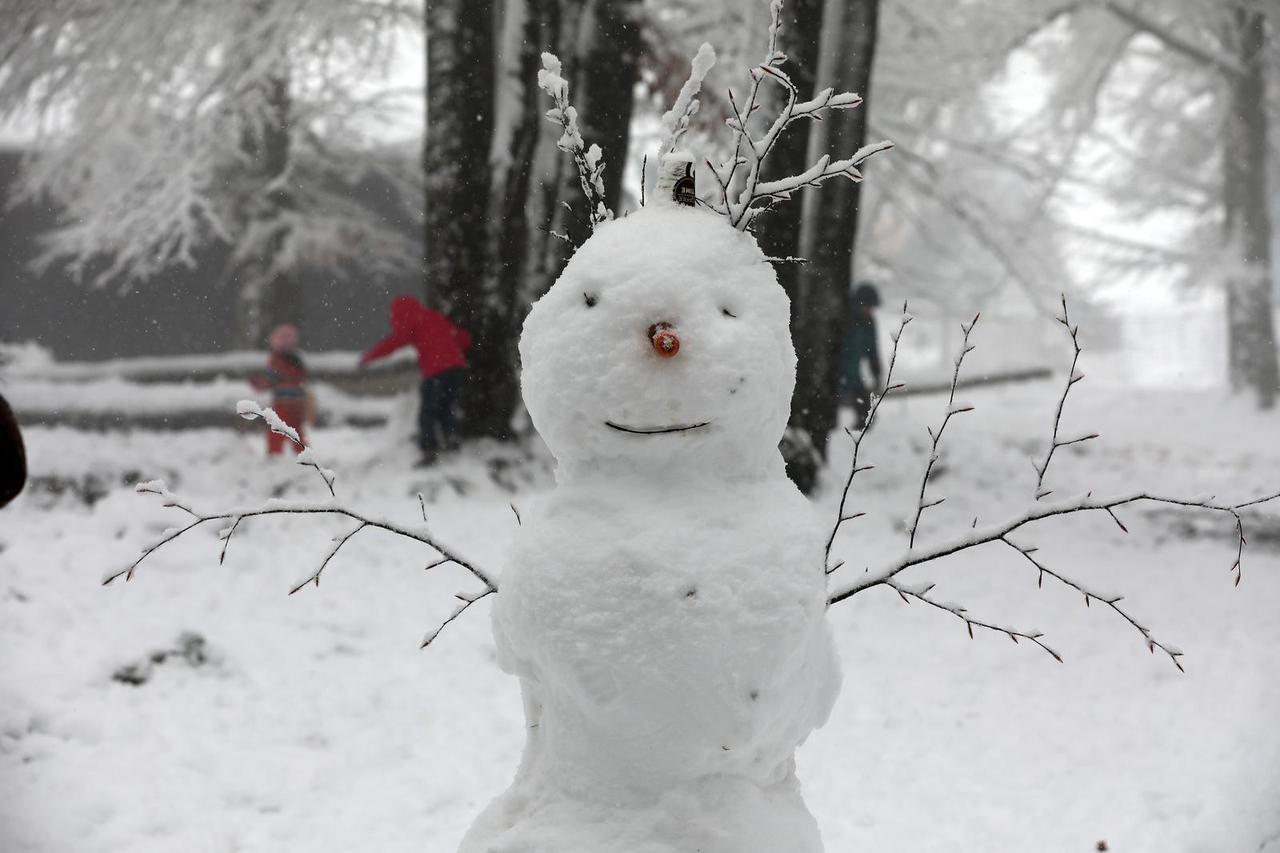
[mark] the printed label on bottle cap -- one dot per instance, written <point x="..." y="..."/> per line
<point x="676" y="183"/>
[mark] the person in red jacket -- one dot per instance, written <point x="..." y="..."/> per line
<point x="441" y="347"/>
<point x="286" y="379"/>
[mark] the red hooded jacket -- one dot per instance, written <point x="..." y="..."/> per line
<point x="440" y="343"/>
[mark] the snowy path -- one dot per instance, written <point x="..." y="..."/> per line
<point x="317" y="725"/>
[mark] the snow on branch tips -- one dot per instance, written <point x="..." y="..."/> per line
<point x="749" y="150"/>
<point x="231" y="518"/>
<point x="675" y="121"/>
<point x="250" y="410"/>
<point x="1002" y="533"/>
<point x="590" y="161"/>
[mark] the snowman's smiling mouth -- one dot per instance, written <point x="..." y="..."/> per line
<point x="655" y="430"/>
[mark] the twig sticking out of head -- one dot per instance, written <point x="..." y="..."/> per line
<point x="675" y="121"/>
<point x="590" y="161"/>
<point x="1073" y="376"/>
<point x="841" y="513"/>
<point x="936" y="437"/>
<point x="750" y="151"/>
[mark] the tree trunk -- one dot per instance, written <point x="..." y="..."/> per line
<point x="528" y="28"/>
<point x="496" y="252"/>
<point x="778" y="232"/>
<point x="599" y="43"/>
<point x="455" y="156"/>
<point x="1252" y="357"/>
<point x="605" y="78"/>
<point x="821" y="224"/>
<point x="830" y="222"/>
<point x="269" y="295"/>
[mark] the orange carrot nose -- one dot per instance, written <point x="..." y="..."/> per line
<point x="666" y="342"/>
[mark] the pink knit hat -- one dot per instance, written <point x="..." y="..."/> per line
<point x="284" y="338"/>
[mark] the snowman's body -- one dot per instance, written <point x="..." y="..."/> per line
<point x="664" y="606"/>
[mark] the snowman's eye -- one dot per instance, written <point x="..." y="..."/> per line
<point x="726" y="312"/>
<point x="591" y="299"/>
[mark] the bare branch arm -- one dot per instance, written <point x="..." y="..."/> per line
<point x="922" y="594"/>
<point x="1073" y="376"/>
<point x="1111" y="601"/>
<point x="467" y="601"/>
<point x="997" y="532"/>
<point x="936" y="437"/>
<point x="287" y="508"/>
<point x="314" y="577"/>
<point x="876" y="399"/>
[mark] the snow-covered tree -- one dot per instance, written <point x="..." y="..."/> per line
<point x="174" y="131"/>
<point x="1176" y="104"/>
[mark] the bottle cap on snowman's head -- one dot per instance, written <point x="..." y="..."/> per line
<point x="676" y="183"/>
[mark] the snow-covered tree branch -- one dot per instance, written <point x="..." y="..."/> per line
<point x="170" y="130"/>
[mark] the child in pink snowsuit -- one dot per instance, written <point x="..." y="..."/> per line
<point x="286" y="379"/>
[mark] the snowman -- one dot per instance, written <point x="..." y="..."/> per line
<point x="664" y="605"/>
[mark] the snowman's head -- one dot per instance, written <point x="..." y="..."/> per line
<point x="664" y="347"/>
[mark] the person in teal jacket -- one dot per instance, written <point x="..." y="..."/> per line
<point x="861" y="347"/>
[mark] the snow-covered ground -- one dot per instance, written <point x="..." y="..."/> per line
<point x="314" y="723"/>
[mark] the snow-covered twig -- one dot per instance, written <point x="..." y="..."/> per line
<point x="1112" y="601"/>
<point x="314" y="578"/>
<point x="467" y="601"/>
<point x="906" y="593"/>
<point x="936" y="437"/>
<point x="876" y="399"/>
<point x="1073" y="376"/>
<point x="590" y="161"/>
<point x="249" y="410"/>
<point x="751" y="151"/>
<point x="675" y="121"/>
